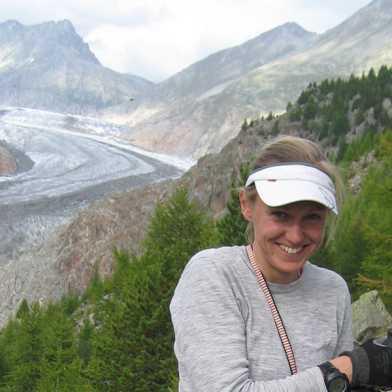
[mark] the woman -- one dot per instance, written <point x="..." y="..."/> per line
<point x="262" y="317"/>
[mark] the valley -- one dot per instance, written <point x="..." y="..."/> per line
<point x="71" y="170"/>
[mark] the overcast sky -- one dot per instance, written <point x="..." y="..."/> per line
<point x="157" y="38"/>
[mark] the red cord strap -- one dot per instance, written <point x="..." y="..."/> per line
<point x="274" y="310"/>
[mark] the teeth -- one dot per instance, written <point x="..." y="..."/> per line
<point x="290" y="250"/>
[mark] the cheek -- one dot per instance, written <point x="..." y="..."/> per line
<point x="316" y="233"/>
<point x="267" y="231"/>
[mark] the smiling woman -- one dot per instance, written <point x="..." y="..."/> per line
<point x="263" y="318"/>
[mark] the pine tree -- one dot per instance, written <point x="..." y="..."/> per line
<point x="311" y="109"/>
<point x="275" y="128"/>
<point x="232" y="226"/>
<point x="60" y="366"/>
<point x="25" y="358"/>
<point x="133" y="349"/>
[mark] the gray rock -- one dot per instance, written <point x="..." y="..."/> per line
<point x="370" y="317"/>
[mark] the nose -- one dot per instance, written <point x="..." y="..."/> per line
<point x="295" y="234"/>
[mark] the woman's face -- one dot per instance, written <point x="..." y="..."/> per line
<point x="285" y="237"/>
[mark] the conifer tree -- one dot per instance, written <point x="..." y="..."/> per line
<point x="275" y="128"/>
<point x="25" y="370"/>
<point x="232" y="226"/>
<point x="133" y="349"/>
<point x="60" y="366"/>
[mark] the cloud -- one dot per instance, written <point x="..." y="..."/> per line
<point x="156" y="38"/>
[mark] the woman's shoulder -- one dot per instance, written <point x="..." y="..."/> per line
<point x="209" y="271"/>
<point x="217" y="258"/>
<point x="325" y="277"/>
<point x="218" y="262"/>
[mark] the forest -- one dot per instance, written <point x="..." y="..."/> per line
<point x="118" y="336"/>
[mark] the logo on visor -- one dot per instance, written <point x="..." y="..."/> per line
<point x="328" y="196"/>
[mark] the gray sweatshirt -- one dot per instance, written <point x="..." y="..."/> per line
<point x="225" y="337"/>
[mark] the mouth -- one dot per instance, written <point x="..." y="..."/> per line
<point x="291" y="251"/>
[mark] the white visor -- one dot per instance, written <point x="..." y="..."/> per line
<point x="288" y="183"/>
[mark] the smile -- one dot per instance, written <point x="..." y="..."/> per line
<point x="290" y="250"/>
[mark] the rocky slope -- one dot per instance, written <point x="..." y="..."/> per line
<point x="48" y="66"/>
<point x="69" y="256"/>
<point x="178" y="121"/>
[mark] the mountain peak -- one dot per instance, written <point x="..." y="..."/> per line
<point x="66" y="26"/>
<point x="291" y="30"/>
<point x="59" y="27"/>
<point x="293" y="27"/>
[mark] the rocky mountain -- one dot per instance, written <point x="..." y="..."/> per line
<point x="190" y="114"/>
<point x="210" y="75"/>
<point x="48" y="66"/>
<point x="174" y="117"/>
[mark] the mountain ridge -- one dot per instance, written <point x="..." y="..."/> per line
<point x="49" y="66"/>
<point x="199" y="126"/>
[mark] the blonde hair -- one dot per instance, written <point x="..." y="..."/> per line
<point x="295" y="149"/>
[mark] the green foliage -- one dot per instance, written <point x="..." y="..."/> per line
<point x="332" y="101"/>
<point x="40" y="352"/>
<point x="133" y="349"/>
<point x="311" y="108"/>
<point x="376" y="206"/>
<point x="244" y="125"/>
<point x="359" y="117"/>
<point x="275" y="128"/>
<point x="96" y="289"/>
<point x="128" y="346"/>
<point x="295" y="114"/>
<point x="85" y="342"/>
<point x="232" y="226"/>
<point x="23" y="310"/>
<point x="360" y="147"/>
<point x="362" y="248"/>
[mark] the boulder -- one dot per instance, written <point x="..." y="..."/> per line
<point x="370" y="317"/>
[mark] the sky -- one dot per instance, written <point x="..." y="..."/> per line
<point x="155" y="39"/>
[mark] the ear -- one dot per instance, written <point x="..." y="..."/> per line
<point x="246" y="208"/>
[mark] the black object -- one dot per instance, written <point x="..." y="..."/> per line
<point x="372" y="362"/>
<point x="386" y="341"/>
<point x="335" y="381"/>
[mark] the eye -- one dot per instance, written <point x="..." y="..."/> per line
<point x="280" y="215"/>
<point x="314" y="217"/>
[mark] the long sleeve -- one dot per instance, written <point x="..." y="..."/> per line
<point x="210" y="337"/>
